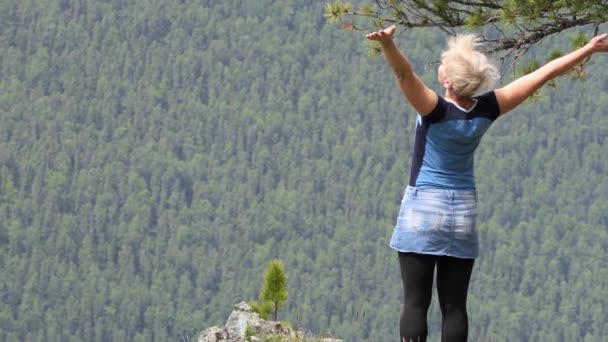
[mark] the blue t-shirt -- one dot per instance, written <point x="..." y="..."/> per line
<point x="446" y="140"/>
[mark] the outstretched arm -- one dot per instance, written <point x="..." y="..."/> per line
<point x="419" y="95"/>
<point x="519" y="90"/>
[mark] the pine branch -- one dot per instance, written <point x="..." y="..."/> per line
<point x="526" y="39"/>
<point x="528" y="25"/>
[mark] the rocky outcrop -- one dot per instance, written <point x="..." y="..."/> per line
<point x="243" y="316"/>
<point x="213" y="334"/>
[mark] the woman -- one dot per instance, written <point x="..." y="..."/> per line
<point x="436" y="223"/>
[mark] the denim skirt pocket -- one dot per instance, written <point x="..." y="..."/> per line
<point x="425" y="221"/>
<point x="465" y="225"/>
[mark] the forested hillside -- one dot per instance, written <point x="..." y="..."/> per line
<point x="155" y="155"/>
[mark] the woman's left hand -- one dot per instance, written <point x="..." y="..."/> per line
<point x="599" y="43"/>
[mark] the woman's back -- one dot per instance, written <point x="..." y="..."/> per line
<point x="446" y="140"/>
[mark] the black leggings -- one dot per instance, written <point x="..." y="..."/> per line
<point x="453" y="275"/>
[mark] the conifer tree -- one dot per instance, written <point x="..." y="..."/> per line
<point x="274" y="289"/>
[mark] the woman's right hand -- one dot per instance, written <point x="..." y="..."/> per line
<point x="599" y="43"/>
<point x="382" y="35"/>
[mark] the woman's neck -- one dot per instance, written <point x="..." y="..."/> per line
<point x="465" y="102"/>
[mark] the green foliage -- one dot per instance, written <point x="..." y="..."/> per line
<point x="554" y="54"/>
<point x="529" y="68"/>
<point x="274" y="288"/>
<point x="286" y="325"/>
<point x="273" y="338"/>
<point x="334" y="11"/>
<point x="579" y="40"/>
<point x="249" y="333"/>
<point x="374" y="49"/>
<point x="476" y="19"/>
<point x="367" y="10"/>
<point x="263" y="308"/>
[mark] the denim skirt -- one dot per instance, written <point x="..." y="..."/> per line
<point x="438" y="222"/>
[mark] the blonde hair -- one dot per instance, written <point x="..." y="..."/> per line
<point x="466" y="68"/>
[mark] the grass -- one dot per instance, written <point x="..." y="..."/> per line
<point x="295" y="336"/>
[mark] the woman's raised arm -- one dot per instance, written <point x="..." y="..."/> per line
<point x="417" y="93"/>
<point x="513" y="94"/>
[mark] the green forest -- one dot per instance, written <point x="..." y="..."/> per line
<point x="156" y="155"/>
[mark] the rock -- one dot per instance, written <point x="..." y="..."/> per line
<point x="213" y="334"/>
<point x="243" y="316"/>
<point x="238" y="319"/>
